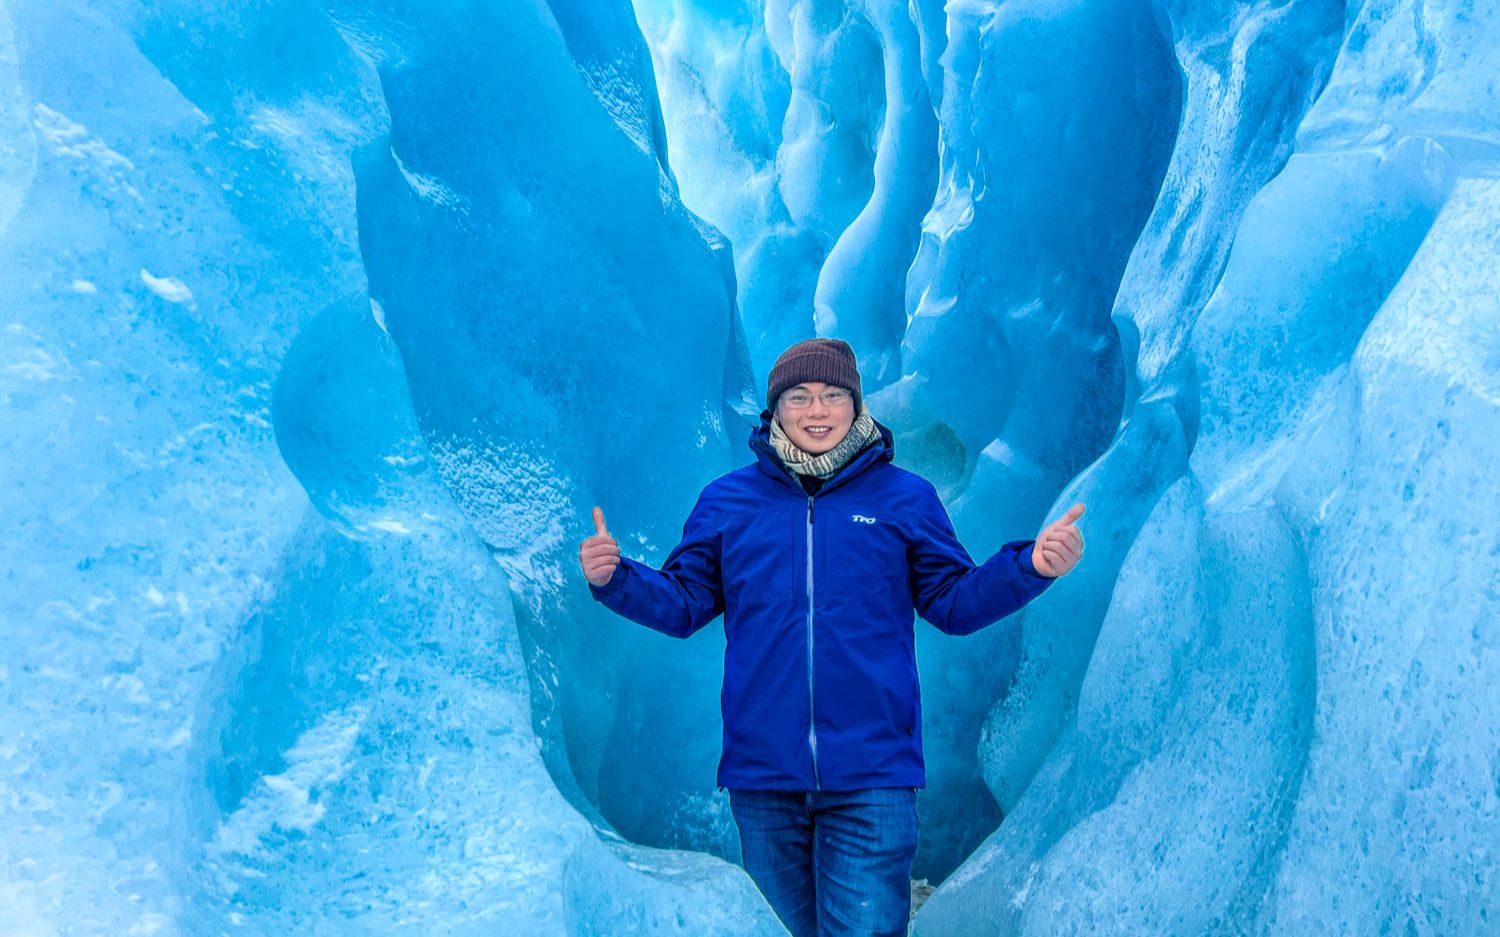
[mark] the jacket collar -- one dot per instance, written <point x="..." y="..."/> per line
<point x="880" y="450"/>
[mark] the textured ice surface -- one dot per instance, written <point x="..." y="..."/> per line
<point x="323" y="327"/>
<point x="285" y="601"/>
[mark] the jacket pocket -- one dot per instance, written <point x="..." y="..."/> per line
<point x="761" y="556"/>
<point x="864" y="555"/>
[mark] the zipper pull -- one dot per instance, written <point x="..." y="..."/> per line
<point x="810" y="517"/>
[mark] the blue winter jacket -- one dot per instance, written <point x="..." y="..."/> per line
<point x="817" y="592"/>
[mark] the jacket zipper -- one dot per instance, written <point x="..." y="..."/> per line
<point x="812" y="729"/>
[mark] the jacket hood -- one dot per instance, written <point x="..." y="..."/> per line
<point x="878" y="450"/>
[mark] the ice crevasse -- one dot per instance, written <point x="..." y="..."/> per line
<point x="324" y="326"/>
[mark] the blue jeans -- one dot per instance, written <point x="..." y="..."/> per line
<point x="831" y="863"/>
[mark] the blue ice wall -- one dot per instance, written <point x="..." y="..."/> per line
<point x="324" y="327"/>
<point x="286" y="628"/>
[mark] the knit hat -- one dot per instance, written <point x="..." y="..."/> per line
<point x="828" y="360"/>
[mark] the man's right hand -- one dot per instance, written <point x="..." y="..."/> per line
<point x="599" y="554"/>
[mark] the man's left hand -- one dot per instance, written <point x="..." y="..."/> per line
<point x="1059" y="546"/>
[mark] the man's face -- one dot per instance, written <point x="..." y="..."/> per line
<point x="820" y="425"/>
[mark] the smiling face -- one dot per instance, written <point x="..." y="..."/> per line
<point x="819" y="426"/>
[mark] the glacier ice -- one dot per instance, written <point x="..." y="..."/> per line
<point x="326" y="325"/>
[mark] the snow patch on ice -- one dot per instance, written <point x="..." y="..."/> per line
<point x="171" y="289"/>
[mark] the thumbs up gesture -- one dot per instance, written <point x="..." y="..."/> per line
<point x="1060" y="545"/>
<point x="599" y="554"/>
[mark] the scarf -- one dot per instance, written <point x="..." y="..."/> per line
<point x="860" y="434"/>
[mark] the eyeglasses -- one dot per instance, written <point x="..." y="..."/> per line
<point x="798" y="399"/>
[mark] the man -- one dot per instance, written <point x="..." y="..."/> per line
<point x="817" y="554"/>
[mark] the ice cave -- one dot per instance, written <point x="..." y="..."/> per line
<point x="323" y="327"/>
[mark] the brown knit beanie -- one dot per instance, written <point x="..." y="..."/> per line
<point x="829" y="360"/>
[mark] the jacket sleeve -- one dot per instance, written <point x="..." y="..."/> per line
<point x="685" y="594"/>
<point x="954" y="594"/>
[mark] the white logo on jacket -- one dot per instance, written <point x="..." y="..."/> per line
<point x="861" y="519"/>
